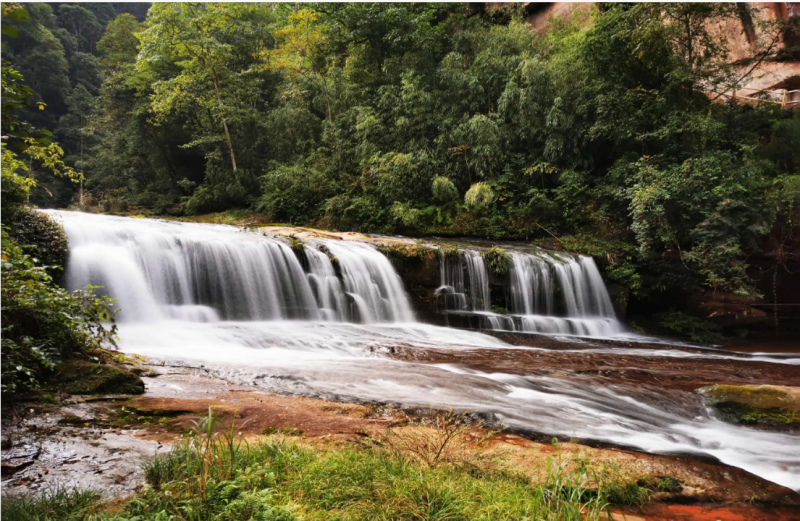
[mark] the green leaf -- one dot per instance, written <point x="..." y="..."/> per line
<point x="18" y="15"/>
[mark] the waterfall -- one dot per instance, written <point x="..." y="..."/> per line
<point x="548" y="292"/>
<point x="452" y="290"/>
<point x="369" y="287"/>
<point x="478" y="282"/>
<point x="531" y="285"/>
<point x="160" y="270"/>
<point x="587" y="308"/>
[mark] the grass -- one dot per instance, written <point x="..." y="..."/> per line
<point x="55" y="505"/>
<point x="214" y="475"/>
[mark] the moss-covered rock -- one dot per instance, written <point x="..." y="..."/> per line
<point x="404" y="256"/>
<point x="498" y="261"/>
<point x="81" y="377"/>
<point x="756" y="404"/>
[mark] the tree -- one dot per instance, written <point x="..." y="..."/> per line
<point x="301" y="51"/>
<point x="199" y="38"/>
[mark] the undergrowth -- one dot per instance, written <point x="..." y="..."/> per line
<point x="215" y="475"/>
<point x="55" y="505"/>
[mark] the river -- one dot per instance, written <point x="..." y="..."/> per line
<point x="330" y="318"/>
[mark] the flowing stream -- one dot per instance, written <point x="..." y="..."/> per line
<point x="321" y="319"/>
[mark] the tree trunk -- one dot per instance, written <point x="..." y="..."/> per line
<point x="218" y="91"/>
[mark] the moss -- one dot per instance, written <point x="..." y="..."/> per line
<point x="751" y="404"/>
<point x="81" y="377"/>
<point x="297" y="244"/>
<point x="285" y="431"/>
<point x="404" y="255"/>
<point x="131" y="417"/>
<point x="660" y="484"/>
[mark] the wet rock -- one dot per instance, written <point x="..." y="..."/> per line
<point x="756" y="404"/>
<point x="80" y="377"/>
<point x="17" y="459"/>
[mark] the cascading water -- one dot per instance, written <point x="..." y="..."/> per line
<point x="583" y="307"/>
<point x="587" y="307"/>
<point x="158" y="270"/>
<point x="245" y="307"/>
<point x="369" y="290"/>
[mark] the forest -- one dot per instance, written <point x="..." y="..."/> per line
<point x="606" y="135"/>
<point x="519" y="337"/>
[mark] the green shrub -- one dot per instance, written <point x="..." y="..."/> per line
<point x="43" y="323"/>
<point x="444" y="191"/>
<point x="689" y="327"/>
<point x="497" y="260"/>
<point x="404" y="256"/>
<point x="41" y="238"/>
<point x="479" y="196"/>
<point x="449" y="252"/>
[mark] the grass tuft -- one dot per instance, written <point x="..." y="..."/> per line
<point x="56" y="505"/>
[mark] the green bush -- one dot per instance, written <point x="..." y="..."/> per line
<point x="479" y="196"/>
<point x="444" y="191"/>
<point x="405" y="256"/>
<point x="497" y="260"/>
<point x="40" y="237"/>
<point x="689" y="327"/>
<point x="43" y="324"/>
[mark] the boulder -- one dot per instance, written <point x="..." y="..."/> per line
<point x="755" y="404"/>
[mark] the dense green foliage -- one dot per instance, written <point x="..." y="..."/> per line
<point x="497" y="260"/>
<point x="55" y="48"/>
<point x="423" y="119"/>
<point x="42" y="323"/>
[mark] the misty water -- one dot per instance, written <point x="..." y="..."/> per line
<point x="322" y="319"/>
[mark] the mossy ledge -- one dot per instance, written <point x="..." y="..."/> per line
<point x="82" y="377"/>
<point x="406" y="255"/>
<point x="755" y="404"/>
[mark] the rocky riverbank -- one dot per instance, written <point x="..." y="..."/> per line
<point x="100" y="441"/>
